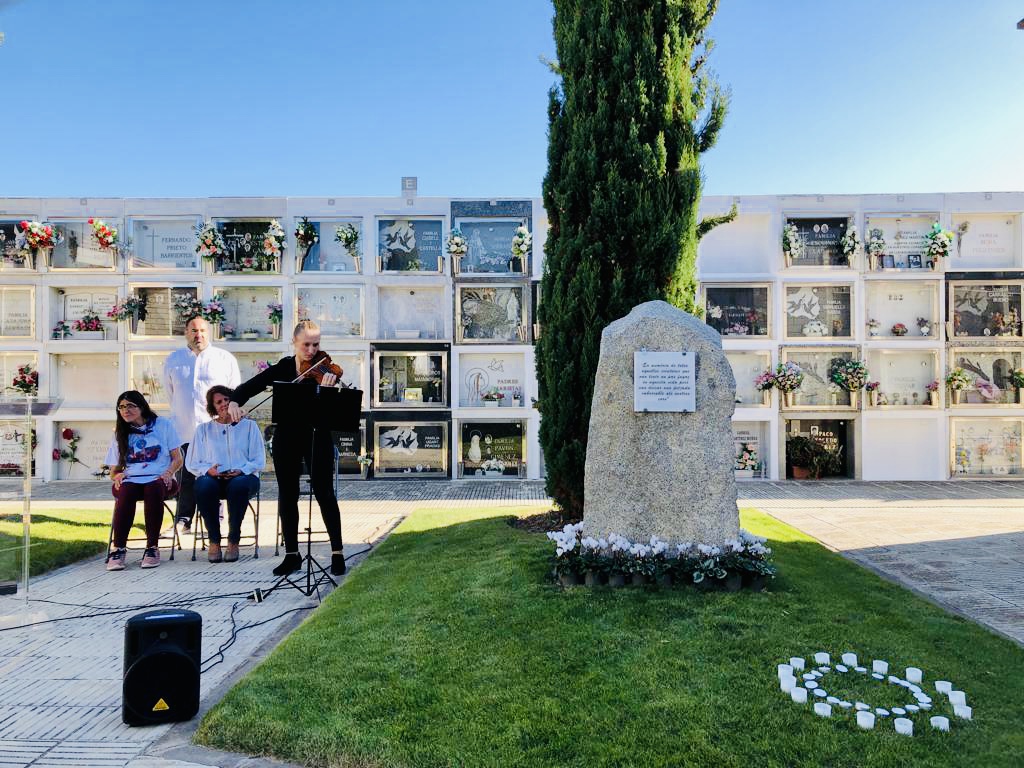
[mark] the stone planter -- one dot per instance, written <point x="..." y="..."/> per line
<point x="90" y="335"/>
<point x="617" y="580"/>
<point x="706" y="585"/>
<point x="593" y="578"/>
<point x="801" y="473"/>
<point x="492" y="403"/>
<point x="744" y="474"/>
<point x="569" y="579"/>
<point x="733" y="582"/>
<point x="638" y="579"/>
<point x="664" y="580"/>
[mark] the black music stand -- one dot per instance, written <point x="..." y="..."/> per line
<point x="319" y="409"/>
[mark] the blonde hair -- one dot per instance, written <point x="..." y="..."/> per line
<point x="305" y="325"/>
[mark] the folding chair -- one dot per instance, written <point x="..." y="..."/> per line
<point x="254" y="510"/>
<point x="175" y="540"/>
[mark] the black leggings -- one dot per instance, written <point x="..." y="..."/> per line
<point x="290" y="450"/>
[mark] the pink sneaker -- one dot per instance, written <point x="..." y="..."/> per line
<point x="150" y="558"/>
<point x="115" y="560"/>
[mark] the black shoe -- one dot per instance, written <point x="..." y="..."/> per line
<point x="338" y="566"/>
<point x="291" y="563"/>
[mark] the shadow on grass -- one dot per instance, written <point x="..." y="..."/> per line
<point x="455" y="621"/>
<point x="38" y="519"/>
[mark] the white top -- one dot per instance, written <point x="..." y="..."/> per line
<point x="238" y="446"/>
<point x="188" y="376"/>
<point x="149" y="451"/>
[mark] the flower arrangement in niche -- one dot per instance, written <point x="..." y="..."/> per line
<point x="875" y="246"/>
<point x="273" y="243"/>
<point x="850" y="243"/>
<point x="932" y="386"/>
<point x="68" y="454"/>
<point x="1016" y="378"/>
<point x="364" y="460"/>
<point x="792" y="242"/>
<point x="89" y="321"/>
<point x="940" y="243"/>
<point x="788" y="376"/>
<point x="457" y="245"/>
<point x="305" y="233"/>
<point x="126" y="309"/>
<point x="348" y="236"/>
<point x="209" y="241"/>
<point x="493" y="395"/>
<point x="188" y="306"/>
<point x="899" y="329"/>
<point x="746" y="458"/>
<point x="275" y="313"/>
<point x="765" y="381"/>
<point x="850" y="375"/>
<point x="958" y="379"/>
<point x="960" y="232"/>
<point x="61" y="329"/>
<point x="106" y="236"/>
<point x="737" y="329"/>
<point x="37" y="234"/>
<point x="522" y="242"/>
<point x="213" y="311"/>
<point x="228" y="332"/>
<point x="26" y="380"/>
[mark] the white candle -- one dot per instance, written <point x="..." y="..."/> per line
<point x="878" y="676"/>
<point x="893" y="679"/>
<point x="913" y="674"/>
<point x="832" y="699"/>
<point x="904" y="726"/>
<point x="845" y="704"/>
<point x="866" y="720"/>
<point x="796" y="663"/>
<point x="821" y="658"/>
<point x="881" y="712"/>
<point x="879" y="666"/>
<point x="899" y="711"/>
<point x="850" y="658"/>
<point x="962" y="711"/>
<point x="798" y="695"/>
<point x="861" y="706"/>
<point x="957" y="697"/>
<point x="809" y="675"/>
<point x="787" y="684"/>
<point x="785" y="670"/>
<point x="943" y="686"/>
<point x="810" y="685"/>
<point x="913" y="708"/>
<point x="820" y="693"/>
<point x="862" y="670"/>
<point x="821" y="709"/>
<point x="842" y="668"/>
<point x="940" y="723"/>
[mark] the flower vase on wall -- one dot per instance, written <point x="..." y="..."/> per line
<point x="275" y="332"/>
<point x="873" y="398"/>
<point x="133" y="321"/>
<point x="1020" y="395"/>
<point x="766" y="397"/>
<point x="301" y="252"/>
<point x="955" y="396"/>
<point x="357" y="264"/>
<point x="854" y="399"/>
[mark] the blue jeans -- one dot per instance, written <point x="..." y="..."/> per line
<point x="237" y="491"/>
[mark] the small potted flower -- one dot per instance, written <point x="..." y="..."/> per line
<point x="764" y="383"/>
<point x="61" y="330"/>
<point x="348" y="236"/>
<point x="792" y="243"/>
<point x="1017" y="382"/>
<point x="924" y="326"/>
<point x="957" y="380"/>
<point x="875" y="249"/>
<point x="940" y="244"/>
<point x="275" y="314"/>
<point x="364" y="464"/>
<point x="850" y="243"/>
<point x="788" y="378"/>
<point x="130" y="309"/>
<point x="849" y="375"/>
<point x="871" y="388"/>
<point x="227" y="331"/>
<point x="746" y="462"/>
<point x="737" y="329"/>
<point x="492" y="397"/>
<point x="106" y="236"/>
<point x="457" y="246"/>
<point x="89" y="326"/>
<point x="898" y="329"/>
<point x="873" y="326"/>
<point x="522" y="241"/>
<point x="210" y="242"/>
<point x="26" y="380"/>
<point x="932" y="389"/>
<point x="306" y="236"/>
<point x="250" y="334"/>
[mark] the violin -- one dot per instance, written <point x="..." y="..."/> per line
<point x="318" y="367"/>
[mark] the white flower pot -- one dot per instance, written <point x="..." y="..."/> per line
<point x="744" y="474"/>
<point x="492" y="403"/>
<point x="89" y="335"/>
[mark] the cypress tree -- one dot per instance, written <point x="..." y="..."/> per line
<point x="634" y="110"/>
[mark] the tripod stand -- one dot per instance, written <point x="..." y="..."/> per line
<point x="318" y="409"/>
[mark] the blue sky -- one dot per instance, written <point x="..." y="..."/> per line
<point x="191" y="98"/>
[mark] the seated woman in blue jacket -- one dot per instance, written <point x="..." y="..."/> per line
<point x="226" y="460"/>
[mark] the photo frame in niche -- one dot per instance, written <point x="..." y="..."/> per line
<point x="76" y="246"/>
<point x="410" y="449"/>
<point x="337" y="309"/>
<point x="489" y="246"/>
<point x="409" y="245"/>
<point x="491" y="313"/>
<point x="986" y="309"/>
<point x="17" y="312"/>
<point x="162" y="245"/>
<point x="819" y="311"/>
<point x="738" y="310"/>
<point x="986" y="447"/>
<point x="990" y="370"/>
<point x="164" y="310"/>
<point x="888" y="261"/>
<point x="492" y="449"/>
<point x="914" y="261"/>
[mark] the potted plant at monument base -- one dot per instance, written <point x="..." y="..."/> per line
<point x="708" y="574"/>
<point x="957" y="380"/>
<point x="788" y="378"/>
<point x="492" y="397"/>
<point x="933" y="393"/>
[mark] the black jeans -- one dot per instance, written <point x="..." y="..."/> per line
<point x="187" y="494"/>
<point x="291" y="448"/>
<point x="237" y="491"/>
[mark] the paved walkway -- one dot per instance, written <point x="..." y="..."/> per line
<point x="960" y="544"/>
<point x="60" y="681"/>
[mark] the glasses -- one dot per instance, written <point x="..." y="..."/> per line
<point x="126" y="406"/>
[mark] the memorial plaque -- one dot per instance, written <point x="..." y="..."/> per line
<point x="488" y="245"/>
<point x="747" y="366"/>
<point x="664" y="382"/>
<point x="479" y="373"/>
<point x="78" y="304"/>
<point x="409" y="245"/>
<point x="329" y="255"/>
<point x="350" y="446"/>
<point x="904" y="236"/>
<point x="816" y="363"/>
<point x="93" y="442"/>
<point x="164" y="245"/>
<point x="16" y="315"/>
<point x="985" y="241"/>
<point x="903" y="377"/>
<point x="338" y="310"/>
<point x="902" y="302"/>
<point x="247" y="314"/>
<point x="414" y="448"/>
<point x="160" y="316"/>
<point x="87" y="380"/>
<point x="77" y="248"/>
<point x="411" y="378"/>
<point x="821" y="242"/>
<point x="990" y="372"/>
<point x="819" y="311"/>
<point x="146" y="376"/>
<point x="243" y="241"/>
<point x="491" y="448"/>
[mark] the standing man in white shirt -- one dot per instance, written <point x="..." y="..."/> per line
<point x="188" y="374"/>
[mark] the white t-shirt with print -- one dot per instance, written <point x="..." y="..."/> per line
<point x="149" y="451"/>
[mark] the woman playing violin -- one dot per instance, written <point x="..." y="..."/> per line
<point x="295" y="444"/>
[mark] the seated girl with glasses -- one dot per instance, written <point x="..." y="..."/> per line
<point x="226" y="460"/>
<point x="144" y="457"/>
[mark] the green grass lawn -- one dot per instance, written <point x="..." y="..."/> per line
<point x="58" y="537"/>
<point x="449" y="646"/>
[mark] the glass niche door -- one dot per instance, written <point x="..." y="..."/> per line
<point x="817" y="390"/>
<point x="903" y="378"/>
<point x="819" y="311"/>
<point x="410" y="379"/>
<point x="989" y="371"/>
<point x="738" y="310"/>
<point x="982" y="310"/>
<point x="492" y="449"/>
<point x="986" y="447"/>
<point x="747" y="366"/>
<point x="410" y="449"/>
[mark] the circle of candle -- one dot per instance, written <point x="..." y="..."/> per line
<point x="822" y="709"/>
<point x="798" y="695"/>
<point x="913" y="674"/>
<point x="943" y="686"/>
<point x="866" y="720"/>
<point x="810" y="685"/>
<point x="796" y="662"/>
<point x="957" y="697"/>
<point x="787" y="684"/>
<point x="845" y="705"/>
<point x="904" y="726"/>
<point x="784" y="670"/>
<point x="832" y="699"/>
<point x="962" y="711"/>
<point x="893" y="679"/>
<point x="925" y="705"/>
<point x="821" y="658"/>
<point x="913" y="708"/>
<point x="809" y="676"/>
<point x="824" y="669"/>
<point x="914" y="688"/>
<point x="880" y="666"/>
<point x="842" y="668"/>
<point x="940" y="723"/>
<point x="878" y="676"/>
<point x="923" y="698"/>
<point x="899" y="711"/>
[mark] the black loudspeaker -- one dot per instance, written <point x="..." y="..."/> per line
<point x="162" y="655"/>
